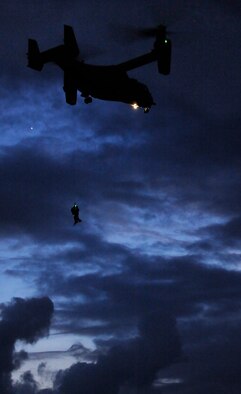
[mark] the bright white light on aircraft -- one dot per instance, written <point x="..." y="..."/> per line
<point x="135" y="106"/>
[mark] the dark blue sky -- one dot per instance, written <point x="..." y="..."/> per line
<point x="144" y="295"/>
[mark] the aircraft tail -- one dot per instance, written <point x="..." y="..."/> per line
<point x="34" y="56"/>
<point x="37" y="59"/>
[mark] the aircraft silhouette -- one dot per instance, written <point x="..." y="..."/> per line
<point x="103" y="82"/>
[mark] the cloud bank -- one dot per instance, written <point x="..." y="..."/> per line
<point x="25" y="320"/>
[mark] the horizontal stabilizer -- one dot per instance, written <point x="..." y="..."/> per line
<point x="34" y="56"/>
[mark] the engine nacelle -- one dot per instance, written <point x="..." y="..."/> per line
<point x="164" y="57"/>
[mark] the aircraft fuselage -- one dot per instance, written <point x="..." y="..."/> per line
<point x="106" y="83"/>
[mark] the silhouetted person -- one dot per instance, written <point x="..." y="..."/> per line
<point x="75" y="213"/>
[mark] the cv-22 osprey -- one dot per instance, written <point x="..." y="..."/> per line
<point x="109" y="82"/>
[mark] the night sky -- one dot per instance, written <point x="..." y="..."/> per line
<point x="143" y="296"/>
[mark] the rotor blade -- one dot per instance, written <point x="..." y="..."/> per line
<point x="131" y="34"/>
<point x="153" y="31"/>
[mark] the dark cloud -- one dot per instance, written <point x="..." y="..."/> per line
<point x="228" y="234"/>
<point x="204" y="298"/>
<point x="193" y="167"/>
<point x="214" y="364"/>
<point x="134" y="362"/>
<point x="18" y="358"/>
<point x="26" y="320"/>
<point x="26" y="384"/>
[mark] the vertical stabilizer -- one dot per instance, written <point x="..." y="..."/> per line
<point x="34" y="56"/>
<point x="70" y="42"/>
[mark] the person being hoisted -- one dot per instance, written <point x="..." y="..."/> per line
<point x="75" y="213"/>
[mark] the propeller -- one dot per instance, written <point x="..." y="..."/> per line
<point x="150" y="32"/>
<point x="131" y="34"/>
